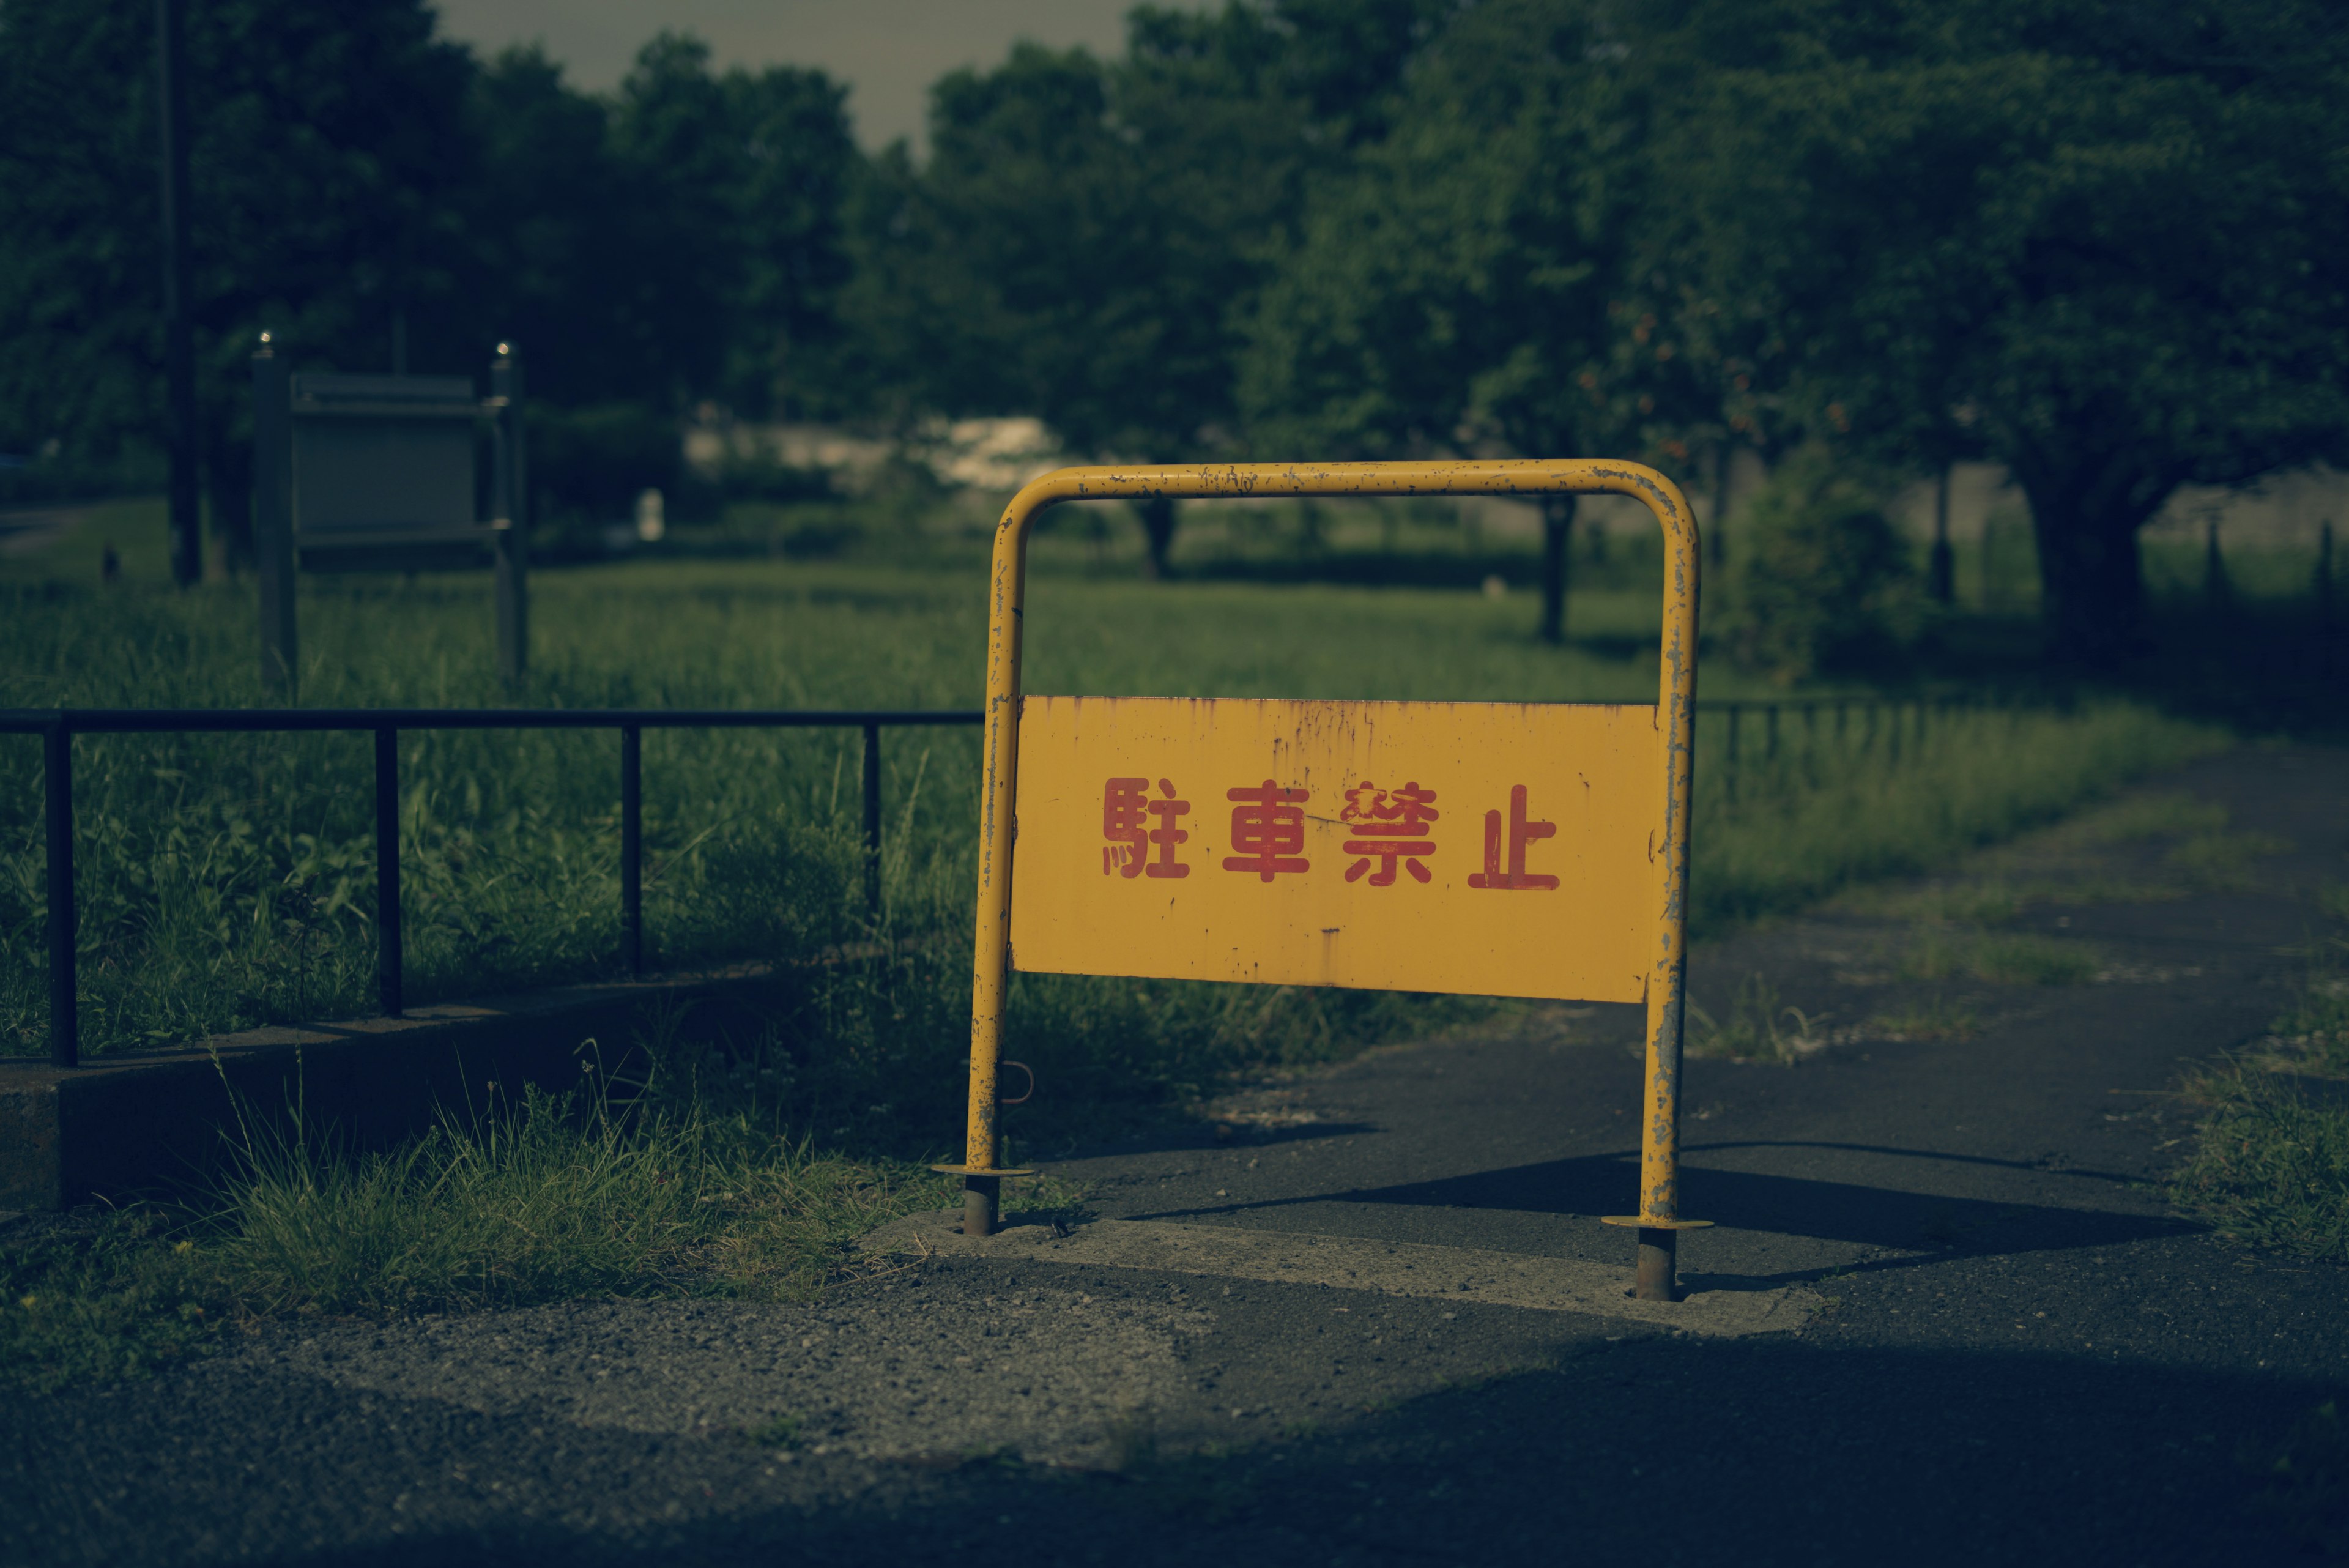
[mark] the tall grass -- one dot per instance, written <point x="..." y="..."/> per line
<point x="228" y="880"/>
<point x="1828" y="813"/>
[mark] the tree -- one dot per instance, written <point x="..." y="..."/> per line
<point x="1460" y="286"/>
<point x="2092" y="234"/>
<point x="1085" y="237"/>
<point x="324" y="146"/>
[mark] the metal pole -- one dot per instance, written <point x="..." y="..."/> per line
<point x="1942" y="576"/>
<point x="273" y="514"/>
<point x="1729" y="767"/>
<point x="57" y="785"/>
<point x="1557" y="564"/>
<point x="1770" y="744"/>
<point x="872" y="819"/>
<point x="387" y="869"/>
<point x="2324" y="598"/>
<point x="179" y="343"/>
<point x="512" y="501"/>
<point x="632" y="848"/>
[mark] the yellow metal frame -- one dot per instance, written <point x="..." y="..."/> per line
<point x="1658" y="1214"/>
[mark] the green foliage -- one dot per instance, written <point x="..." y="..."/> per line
<point x="2004" y="957"/>
<point x="1759" y="1027"/>
<point x="545" y="1201"/>
<point x="228" y="881"/>
<point x="87" y="1298"/>
<point x="1827" y="816"/>
<point x="1933" y="1019"/>
<point x="2305" y="1482"/>
<point x="1822" y="583"/>
<point x="2271" y="1164"/>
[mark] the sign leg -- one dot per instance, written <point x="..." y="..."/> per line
<point x="980" y="1195"/>
<point x="1655" y="1279"/>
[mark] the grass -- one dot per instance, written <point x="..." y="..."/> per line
<point x="1999" y="958"/>
<point x="1759" y="1027"/>
<point x="2271" y="1158"/>
<point x="1934" y="1020"/>
<point x="2271" y="1164"/>
<point x="667" y="1185"/>
<point x="2304" y="1481"/>
<point x="227" y="881"/>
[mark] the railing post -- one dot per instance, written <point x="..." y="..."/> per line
<point x="387" y="869"/>
<point x="1729" y="763"/>
<point x="64" y="994"/>
<point x="872" y="818"/>
<point x="632" y="848"/>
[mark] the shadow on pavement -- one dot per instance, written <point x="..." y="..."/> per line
<point x="1850" y="1212"/>
<point x="1651" y="1452"/>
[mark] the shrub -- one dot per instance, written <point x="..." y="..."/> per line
<point x="1822" y="581"/>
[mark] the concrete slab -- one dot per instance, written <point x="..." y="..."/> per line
<point x="1353" y="1263"/>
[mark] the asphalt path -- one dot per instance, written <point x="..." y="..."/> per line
<point x="1994" y="1342"/>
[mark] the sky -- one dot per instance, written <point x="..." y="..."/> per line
<point x="887" y="51"/>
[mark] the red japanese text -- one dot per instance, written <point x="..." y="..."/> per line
<point x="1391" y="828"/>
<point x="1267" y="830"/>
<point x="1521" y="832"/>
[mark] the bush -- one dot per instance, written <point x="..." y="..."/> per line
<point x="587" y="466"/>
<point x="1822" y="581"/>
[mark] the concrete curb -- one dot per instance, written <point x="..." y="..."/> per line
<point x="151" y="1118"/>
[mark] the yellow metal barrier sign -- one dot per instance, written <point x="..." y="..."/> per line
<point x="1498" y="850"/>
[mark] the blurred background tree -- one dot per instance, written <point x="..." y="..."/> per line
<point x="2094" y="241"/>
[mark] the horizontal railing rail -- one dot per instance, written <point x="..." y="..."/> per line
<point x="1890" y="719"/>
<point x="59" y="726"/>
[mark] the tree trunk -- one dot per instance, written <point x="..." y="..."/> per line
<point x="1158" y="515"/>
<point x="2088" y="500"/>
<point x="2090" y="590"/>
<point x="1942" y="577"/>
<point x="1557" y="536"/>
<point x="228" y="487"/>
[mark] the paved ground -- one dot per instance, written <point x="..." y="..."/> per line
<point x="1994" y="1343"/>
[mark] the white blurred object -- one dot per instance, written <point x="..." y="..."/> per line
<point x="652" y="521"/>
<point x="1495" y="589"/>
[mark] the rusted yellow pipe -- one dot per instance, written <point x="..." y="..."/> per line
<point x="1676" y="710"/>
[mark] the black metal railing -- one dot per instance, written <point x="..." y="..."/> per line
<point x="1861" y="725"/>
<point x="59" y="726"/>
<point x="1879" y="721"/>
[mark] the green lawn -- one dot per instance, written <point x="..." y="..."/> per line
<point x="226" y="881"/>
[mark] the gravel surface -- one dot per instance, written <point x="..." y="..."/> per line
<point x="2019" y="1355"/>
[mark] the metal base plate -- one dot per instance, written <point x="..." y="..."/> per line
<point x="981" y="1171"/>
<point x="1640" y="1222"/>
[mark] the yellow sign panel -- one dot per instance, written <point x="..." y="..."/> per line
<point x="1491" y="848"/>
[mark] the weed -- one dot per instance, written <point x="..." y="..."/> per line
<point x="2270" y="1165"/>
<point x="1132" y="1441"/>
<point x="1935" y="1019"/>
<point x="2334" y="899"/>
<point x="2221" y="860"/>
<point x="1999" y="958"/>
<point x="1758" y="1027"/>
<point x="84" y="1297"/>
<point x="2315" y="1032"/>
<point x="2306" y="1478"/>
<point x="2153" y="815"/>
<point x="786" y="1431"/>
